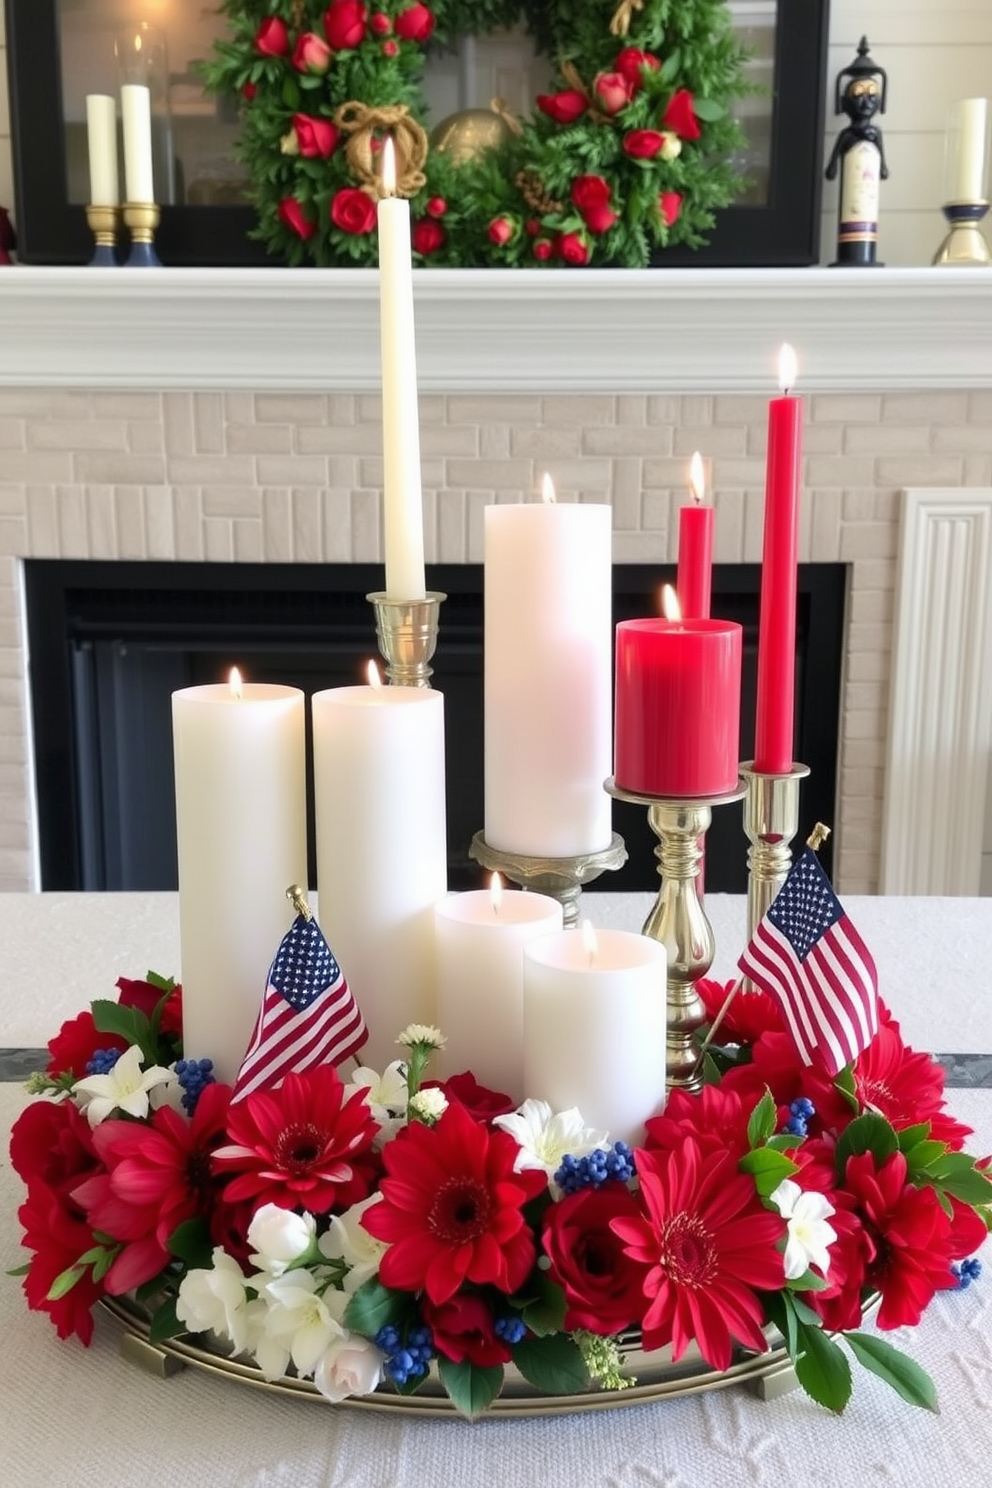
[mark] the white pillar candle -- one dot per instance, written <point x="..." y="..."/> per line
<point x="101" y="136"/>
<point x="480" y="974"/>
<point x="548" y="668"/>
<point x="381" y="849"/>
<point x="594" y="1028"/>
<point x="403" y="513"/>
<point x="241" y="836"/>
<point x="137" y="117"/>
<point x="968" y="142"/>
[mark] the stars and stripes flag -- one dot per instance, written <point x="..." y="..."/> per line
<point x="308" y="1014"/>
<point x="809" y="957"/>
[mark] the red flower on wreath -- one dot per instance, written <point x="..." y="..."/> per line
<point x="611" y="91"/>
<point x="591" y="195"/>
<point x="427" y="236"/>
<point x="480" y="1102"/>
<point x="272" y="38"/>
<point x="680" y="116"/>
<point x="58" y="1238"/>
<point x="603" y="1285"/>
<point x="415" y="23"/>
<point x="543" y="249"/>
<point x="72" y="1048"/>
<point x="381" y="24"/>
<point x="573" y="248"/>
<point x="463" y="1329"/>
<point x="716" y="1119"/>
<point x="631" y="64"/>
<point x="502" y="230"/>
<point x="749" y="1014"/>
<point x="315" y="137"/>
<point x="708" y="1243"/>
<point x="643" y="144"/>
<point x="146" y="996"/>
<point x="564" y="107"/>
<point x="353" y="211"/>
<point x="311" y="54"/>
<point x="436" y="207"/>
<point x="451" y="1209"/>
<point x="292" y="215"/>
<point x="52" y="1142"/>
<point x="345" y="24"/>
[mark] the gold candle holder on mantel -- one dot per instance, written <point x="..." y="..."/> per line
<point x="771" y="820"/>
<point x="406" y="631"/>
<point x="142" y="219"/>
<point x="678" y="919"/>
<point x="559" y="878"/>
<point x="103" y="224"/>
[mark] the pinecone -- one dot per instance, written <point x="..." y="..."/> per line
<point x="531" y="188"/>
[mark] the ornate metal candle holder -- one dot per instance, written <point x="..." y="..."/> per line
<point x="771" y="820"/>
<point x="406" y="630"/>
<point x="103" y="223"/>
<point x="561" y="878"/>
<point x="142" y="219"/>
<point x="965" y="244"/>
<point x="678" y="919"/>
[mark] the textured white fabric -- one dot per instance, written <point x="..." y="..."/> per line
<point x="93" y="1420"/>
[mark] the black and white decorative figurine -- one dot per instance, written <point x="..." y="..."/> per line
<point x="859" y="156"/>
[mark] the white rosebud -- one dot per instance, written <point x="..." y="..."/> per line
<point x="350" y="1366"/>
<point x="671" y="147"/>
<point x="280" y="1237"/>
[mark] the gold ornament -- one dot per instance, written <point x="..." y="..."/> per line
<point x="464" y="136"/>
<point x="620" y="24"/>
<point x="364" y="125"/>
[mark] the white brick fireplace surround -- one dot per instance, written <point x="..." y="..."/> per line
<point x="234" y="416"/>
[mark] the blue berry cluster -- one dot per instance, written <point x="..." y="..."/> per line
<point x="194" y="1075"/>
<point x="966" y="1272"/>
<point x="510" y="1328"/>
<point x="405" y="1360"/>
<point x="103" y="1061"/>
<point x="596" y="1168"/>
<point x="800" y="1113"/>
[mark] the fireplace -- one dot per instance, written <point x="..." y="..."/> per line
<point x="110" y="641"/>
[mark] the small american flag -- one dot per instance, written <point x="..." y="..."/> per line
<point x="808" y="956"/>
<point x="308" y="1014"/>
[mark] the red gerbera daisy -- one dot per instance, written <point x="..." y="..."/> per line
<point x="716" y="1119"/>
<point x="708" y="1242"/>
<point x="450" y="1209"/>
<point x="748" y="1016"/>
<point x="58" y="1238"/>
<point x="301" y="1146"/>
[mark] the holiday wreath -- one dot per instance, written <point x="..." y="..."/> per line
<point x="367" y="1234"/>
<point x="629" y="150"/>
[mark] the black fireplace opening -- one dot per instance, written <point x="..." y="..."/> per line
<point x="109" y="642"/>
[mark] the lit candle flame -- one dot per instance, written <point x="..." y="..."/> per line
<point x="373" y="674"/>
<point x="697" y="479"/>
<point x="234" y="683"/>
<point x="496" y="893"/>
<point x="548" y="489"/>
<point x="388" y="174"/>
<point x="786" y="368"/>
<point x="670" y="607"/>
<point x="589" y="941"/>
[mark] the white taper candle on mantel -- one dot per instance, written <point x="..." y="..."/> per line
<point x="548" y="671"/>
<point x="480" y="971"/>
<point x="403" y="513"/>
<point x="137" y="116"/>
<point x="241" y="838"/>
<point x="381" y="849"/>
<point x="967" y="147"/>
<point x="101" y="138"/>
<point x="594" y="1027"/>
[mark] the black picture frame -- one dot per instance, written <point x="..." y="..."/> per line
<point x="51" y="230"/>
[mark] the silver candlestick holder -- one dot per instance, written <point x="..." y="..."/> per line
<point x="965" y="245"/>
<point x="406" y="631"/>
<point x="561" y="878"/>
<point x="771" y="820"/>
<point x="678" y="919"/>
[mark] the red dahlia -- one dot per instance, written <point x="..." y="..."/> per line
<point x="451" y="1209"/>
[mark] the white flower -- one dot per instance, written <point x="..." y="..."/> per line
<point x="424" y="1034"/>
<point x="280" y="1237"/>
<point x="348" y="1240"/>
<point x="810" y="1237"/>
<point x="544" y="1138"/>
<point x="298" y="1325"/>
<point x="350" y="1366"/>
<point x="216" y="1301"/>
<point x="385" y="1095"/>
<point x="429" y="1105"/>
<point x="124" y="1088"/>
<point x="671" y="146"/>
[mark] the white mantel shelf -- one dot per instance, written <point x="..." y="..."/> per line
<point x="585" y="331"/>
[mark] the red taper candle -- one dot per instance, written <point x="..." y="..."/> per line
<point x="695" y="576"/>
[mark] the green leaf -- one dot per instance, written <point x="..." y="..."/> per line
<point x="808" y="1282"/>
<point x="373" y="1306"/>
<point x="919" y="1159"/>
<point x="762" y="1121"/>
<point x="822" y="1370"/>
<point x="544" y="1311"/>
<point x="64" y="1282"/>
<point x="784" y="1142"/>
<point x="164" y="984"/>
<point x="190" y="1242"/>
<point x="767" y="1168"/>
<point x="471" y="1388"/>
<point x="957" y="1175"/>
<point x="708" y="109"/>
<point x="803" y="1311"/>
<point x="165" y="1324"/>
<point x="911" y="1135"/>
<point x="19" y="1270"/>
<point x="128" y="1023"/>
<point x="778" y="1306"/>
<point x="554" y="1364"/>
<point x="844" y="1085"/>
<point x="866" y="1133"/>
<point x="895" y="1368"/>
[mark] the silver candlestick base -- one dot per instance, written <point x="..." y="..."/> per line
<point x="561" y="878"/>
<point x="406" y="631"/>
<point x="771" y="820"/>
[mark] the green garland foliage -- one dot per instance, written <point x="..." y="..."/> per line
<point x="629" y="152"/>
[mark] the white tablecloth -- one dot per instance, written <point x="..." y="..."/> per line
<point x="90" y="1419"/>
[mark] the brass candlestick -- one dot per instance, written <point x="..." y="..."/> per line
<point x="561" y="878"/>
<point x="142" y="219"/>
<point x="965" y="245"/>
<point x="406" y="630"/>
<point x="678" y="919"/>
<point x="771" y="820"/>
<point x="103" y="222"/>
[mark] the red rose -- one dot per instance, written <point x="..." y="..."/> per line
<point x="146" y="996"/>
<point x="52" y="1141"/>
<point x="344" y="24"/>
<point x="631" y="64"/>
<point x="272" y="38"/>
<point x="426" y="236"/>
<point x="603" y="1286"/>
<point x="574" y="248"/>
<point x="72" y="1048"/>
<point x="415" y="23"/>
<point x="248" y="92"/>
<point x="311" y="54"/>
<point x="480" y="1102"/>
<point x="463" y="1329"/>
<point x="390" y="48"/>
<point x="670" y="205"/>
<point x="316" y="137"/>
<point x="436" y="207"/>
<point x="591" y="194"/>
<point x="292" y="215"/>
<point x="680" y="116"/>
<point x="564" y="108"/>
<point x="353" y="211"/>
<point x="502" y="230"/>
<point x="611" y="91"/>
<point x="381" y="24"/>
<point x="543" y="249"/>
<point x="643" y="144"/>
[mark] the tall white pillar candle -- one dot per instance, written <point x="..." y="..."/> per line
<point x="403" y="514"/>
<point x="548" y="669"/>
<point x="381" y="849"/>
<point x="968" y="143"/>
<point x="241" y="836"/>
<point x="101" y="137"/>
<point x="137" y="116"/>
<point x="480" y="974"/>
<point x="594" y="1028"/>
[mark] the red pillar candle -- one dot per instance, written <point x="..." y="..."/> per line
<point x="678" y="699"/>
<point x="777" y="616"/>
<point x="695" y="576"/>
